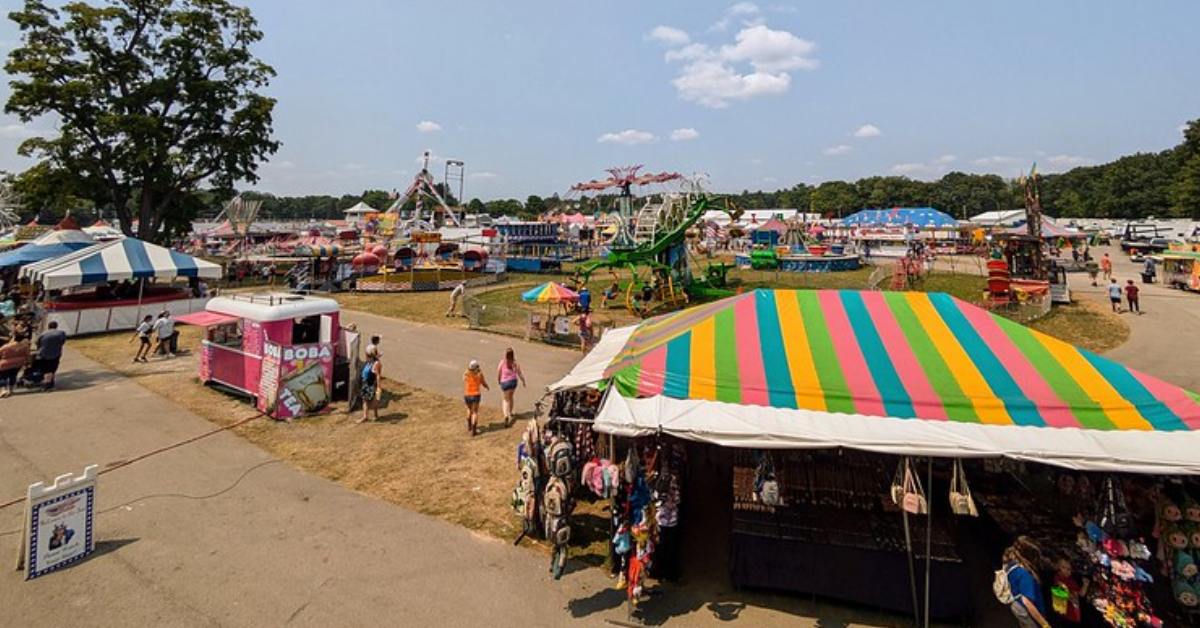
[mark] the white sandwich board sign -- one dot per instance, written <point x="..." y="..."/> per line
<point x="58" y="523"/>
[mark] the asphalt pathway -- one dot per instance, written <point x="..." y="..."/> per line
<point x="434" y="358"/>
<point x="1164" y="340"/>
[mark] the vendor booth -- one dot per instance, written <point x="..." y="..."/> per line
<point x="109" y="286"/>
<point x="852" y="420"/>
<point x="1181" y="269"/>
<point x="62" y="239"/>
<point x="280" y="349"/>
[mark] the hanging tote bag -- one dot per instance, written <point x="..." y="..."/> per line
<point x="897" y="488"/>
<point x="914" y="496"/>
<point x="961" y="502"/>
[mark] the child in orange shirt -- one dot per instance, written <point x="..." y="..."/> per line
<point x="473" y="381"/>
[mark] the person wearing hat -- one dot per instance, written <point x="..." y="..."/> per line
<point x="473" y="385"/>
<point x="371" y="391"/>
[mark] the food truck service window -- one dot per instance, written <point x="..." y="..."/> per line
<point x="306" y="330"/>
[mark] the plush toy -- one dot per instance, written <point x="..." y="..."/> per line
<point x="1185" y="565"/>
<point x="1168" y="511"/>
<point x="1185" y="594"/>
<point x="1193" y="532"/>
<point x="1191" y="510"/>
<point x="1175" y="537"/>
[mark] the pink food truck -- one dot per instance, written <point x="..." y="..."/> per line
<point x="280" y="349"/>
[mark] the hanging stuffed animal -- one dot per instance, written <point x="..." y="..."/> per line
<point x="1191" y="510"/>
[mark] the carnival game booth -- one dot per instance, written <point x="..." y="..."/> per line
<point x="111" y="285"/>
<point x="888" y="232"/>
<point x="834" y="408"/>
<point x="280" y="349"/>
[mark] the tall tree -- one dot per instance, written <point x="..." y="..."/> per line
<point x="1185" y="191"/>
<point x="154" y="99"/>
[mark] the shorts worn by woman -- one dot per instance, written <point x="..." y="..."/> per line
<point x="508" y="385"/>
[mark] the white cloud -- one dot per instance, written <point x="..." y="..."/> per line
<point x="629" y="137"/>
<point x="911" y="168"/>
<point x="747" y="12"/>
<point x="840" y="149"/>
<point x="483" y="174"/>
<point x="684" y="134"/>
<point x="1069" y="161"/>
<point x="785" y="8"/>
<point x="867" y="131"/>
<point x="16" y="131"/>
<point x="668" y="35"/>
<point x="996" y="160"/>
<point x="926" y="170"/>
<point x="758" y="62"/>
<point x="428" y="126"/>
<point x="353" y="167"/>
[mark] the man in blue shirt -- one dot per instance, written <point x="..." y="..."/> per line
<point x="49" y="352"/>
<point x="585" y="300"/>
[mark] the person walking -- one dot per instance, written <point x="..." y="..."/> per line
<point x="14" y="355"/>
<point x="473" y="386"/>
<point x="455" y="296"/>
<point x="585" y="330"/>
<point x="49" y="352"/>
<point x="1106" y="266"/>
<point x="1131" y="296"/>
<point x="508" y="374"/>
<point x="370" y="389"/>
<point x="142" y="334"/>
<point x="1093" y="270"/>
<point x="164" y="331"/>
<point x="1114" y="295"/>
<point x="1021" y="569"/>
<point x="1148" y="271"/>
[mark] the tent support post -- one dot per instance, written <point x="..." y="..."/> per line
<point x="912" y="574"/>
<point x="928" y="538"/>
<point x="138" y="316"/>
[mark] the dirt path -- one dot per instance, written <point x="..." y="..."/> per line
<point x="434" y="357"/>
<point x="1163" y="341"/>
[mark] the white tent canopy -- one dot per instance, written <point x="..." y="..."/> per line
<point x="759" y="427"/>
<point x="590" y="370"/>
<point x="118" y="260"/>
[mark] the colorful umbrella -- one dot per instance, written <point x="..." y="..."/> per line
<point x="550" y="292"/>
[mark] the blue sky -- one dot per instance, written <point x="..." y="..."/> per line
<point x="535" y="95"/>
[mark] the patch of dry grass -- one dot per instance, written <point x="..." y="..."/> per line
<point x="1085" y="324"/>
<point x="417" y="456"/>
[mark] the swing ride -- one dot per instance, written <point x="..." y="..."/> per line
<point x="652" y="246"/>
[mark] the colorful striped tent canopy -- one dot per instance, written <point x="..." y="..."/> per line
<point x="550" y="292"/>
<point x="942" y="374"/>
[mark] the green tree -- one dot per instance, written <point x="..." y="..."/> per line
<point x="835" y="198"/>
<point x="476" y="206"/>
<point x="45" y="190"/>
<point x="534" y="205"/>
<point x="1185" y="190"/>
<point x="154" y="99"/>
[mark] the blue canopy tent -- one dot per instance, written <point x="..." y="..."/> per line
<point x="924" y="217"/>
<point x="37" y="252"/>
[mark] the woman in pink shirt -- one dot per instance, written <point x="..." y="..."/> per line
<point x="508" y="373"/>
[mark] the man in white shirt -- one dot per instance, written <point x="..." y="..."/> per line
<point x="455" y="295"/>
<point x="164" y="330"/>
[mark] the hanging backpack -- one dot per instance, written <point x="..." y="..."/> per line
<point x="961" y="502"/>
<point x="1001" y="587"/>
<point x="558" y="531"/>
<point x="556" y="498"/>
<point x="558" y="457"/>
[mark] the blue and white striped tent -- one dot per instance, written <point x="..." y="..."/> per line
<point x="899" y="216"/>
<point x="116" y="261"/>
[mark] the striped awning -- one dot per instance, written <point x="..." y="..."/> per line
<point x="129" y="258"/>
<point x="890" y="354"/>
<point x="892" y="372"/>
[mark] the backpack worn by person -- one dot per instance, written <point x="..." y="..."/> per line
<point x="1001" y="587"/>
<point x="367" y="376"/>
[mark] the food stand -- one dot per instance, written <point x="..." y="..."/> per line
<point x="280" y="349"/>
<point x="1181" y="269"/>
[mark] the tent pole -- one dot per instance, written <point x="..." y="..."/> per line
<point x="928" y="538"/>
<point x="912" y="575"/>
<point x="138" y="317"/>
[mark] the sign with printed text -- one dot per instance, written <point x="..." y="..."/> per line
<point x="58" y="520"/>
<point x="299" y="377"/>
